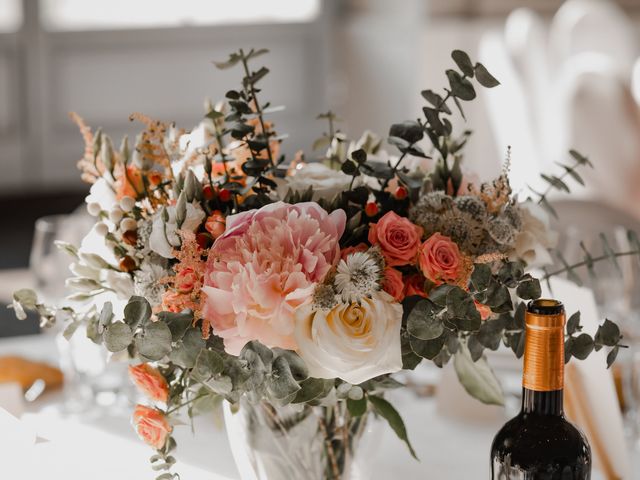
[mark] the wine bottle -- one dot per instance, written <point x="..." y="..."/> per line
<point x="539" y="443"/>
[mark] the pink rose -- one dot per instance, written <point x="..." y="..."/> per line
<point x="398" y="238"/>
<point x="150" y="381"/>
<point x="151" y="426"/>
<point x="173" y="301"/>
<point x="215" y="224"/>
<point x="414" y="285"/>
<point x="440" y="260"/>
<point x="393" y="284"/>
<point x="361" y="247"/>
<point x="264" y="266"/>
<point x="186" y="280"/>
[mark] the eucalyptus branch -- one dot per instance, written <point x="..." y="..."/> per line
<point x="589" y="261"/>
<point x="254" y="97"/>
<point x="184" y="404"/>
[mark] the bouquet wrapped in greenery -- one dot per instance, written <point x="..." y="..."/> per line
<point x="229" y="272"/>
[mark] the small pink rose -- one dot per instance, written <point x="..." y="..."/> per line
<point x="414" y="285"/>
<point x="398" y="238"/>
<point x="393" y="284"/>
<point x="150" y="381"/>
<point x="173" y="301"/>
<point x="483" y="310"/>
<point x="151" y="426"/>
<point x="186" y="280"/>
<point x="440" y="259"/>
<point x="215" y="224"/>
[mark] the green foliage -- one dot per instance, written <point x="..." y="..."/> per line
<point x="477" y="378"/>
<point x="393" y="418"/>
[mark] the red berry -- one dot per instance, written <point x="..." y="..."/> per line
<point x="224" y="195"/>
<point x="401" y="193"/>
<point x="371" y="209"/>
<point x="208" y="192"/>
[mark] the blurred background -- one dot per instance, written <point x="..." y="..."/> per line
<point x="570" y="74"/>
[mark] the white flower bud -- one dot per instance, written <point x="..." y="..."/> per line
<point x="356" y="393"/>
<point x="127" y="203"/>
<point x="127" y="224"/>
<point x="115" y="215"/>
<point x="101" y="229"/>
<point x="94" y="209"/>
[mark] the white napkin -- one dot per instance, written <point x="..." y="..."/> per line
<point x="591" y="400"/>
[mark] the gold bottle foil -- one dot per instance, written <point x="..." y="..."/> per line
<point x="544" y="346"/>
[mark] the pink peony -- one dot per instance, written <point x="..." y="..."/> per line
<point x="440" y="259"/>
<point x="398" y="238"/>
<point x="414" y="285"/>
<point x="392" y="284"/>
<point x="264" y="266"/>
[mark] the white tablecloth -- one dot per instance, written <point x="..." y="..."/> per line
<point x="104" y="446"/>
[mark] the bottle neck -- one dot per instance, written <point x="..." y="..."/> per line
<point x="543" y="372"/>
<point x="542" y="403"/>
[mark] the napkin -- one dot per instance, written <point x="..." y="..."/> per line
<point x="591" y="402"/>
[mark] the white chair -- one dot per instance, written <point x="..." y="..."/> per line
<point x="602" y="120"/>
<point x="597" y="26"/>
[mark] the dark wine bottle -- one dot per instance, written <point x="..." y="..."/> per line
<point x="539" y="443"/>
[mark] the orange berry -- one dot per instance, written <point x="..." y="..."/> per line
<point x="400" y="193"/>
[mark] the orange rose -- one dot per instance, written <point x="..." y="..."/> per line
<point x="215" y="224"/>
<point x="414" y="285"/>
<point x="440" y="259"/>
<point x="392" y="284"/>
<point x="345" y="252"/>
<point x="151" y="426"/>
<point x="398" y="238"/>
<point x="150" y="381"/>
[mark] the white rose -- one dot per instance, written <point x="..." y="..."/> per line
<point x="354" y="342"/>
<point x="535" y="237"/>
<point x="164" y="235"/>
<point x="326" y="182"/>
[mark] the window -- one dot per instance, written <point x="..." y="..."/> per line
<point x="61" y="15"/>
<point x="10" y="15"/>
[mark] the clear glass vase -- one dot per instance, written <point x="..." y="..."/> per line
<point x="300" y="441"/>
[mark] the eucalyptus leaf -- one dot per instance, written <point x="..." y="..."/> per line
<point x="312" y="389"/>
<point x="573" y="324"/>
<point x="477" y="378"/>
<point x="357" y="408"/>
<point x="137" y="311"/>
<point x="186" y="350"/>
<point x="117" y="336"/>
<point x="178" y="323"/>
<point x="282" y="384"/>
<point x="460" y="87"/>
<point x="154" y="342"/>
<point x="582" y="346"/>
<point x="463" y="61"/>
<point x="484" y="77"/>
<point x="208" y="364"/>
<point x="423" y="322"/>
<point x="391" y="415"/>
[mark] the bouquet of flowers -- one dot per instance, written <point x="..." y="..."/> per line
<point x="229" y="273"/>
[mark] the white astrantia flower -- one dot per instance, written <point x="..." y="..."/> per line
<point x="147" y="278"/>
<point x="352" y="341"/>
<point x="164" y="235"/>
<point x="358" y="276"/>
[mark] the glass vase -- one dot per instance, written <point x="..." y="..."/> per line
<point x="300" y="441"/>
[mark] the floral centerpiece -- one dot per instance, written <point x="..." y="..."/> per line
<point x="297" y="288"/>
